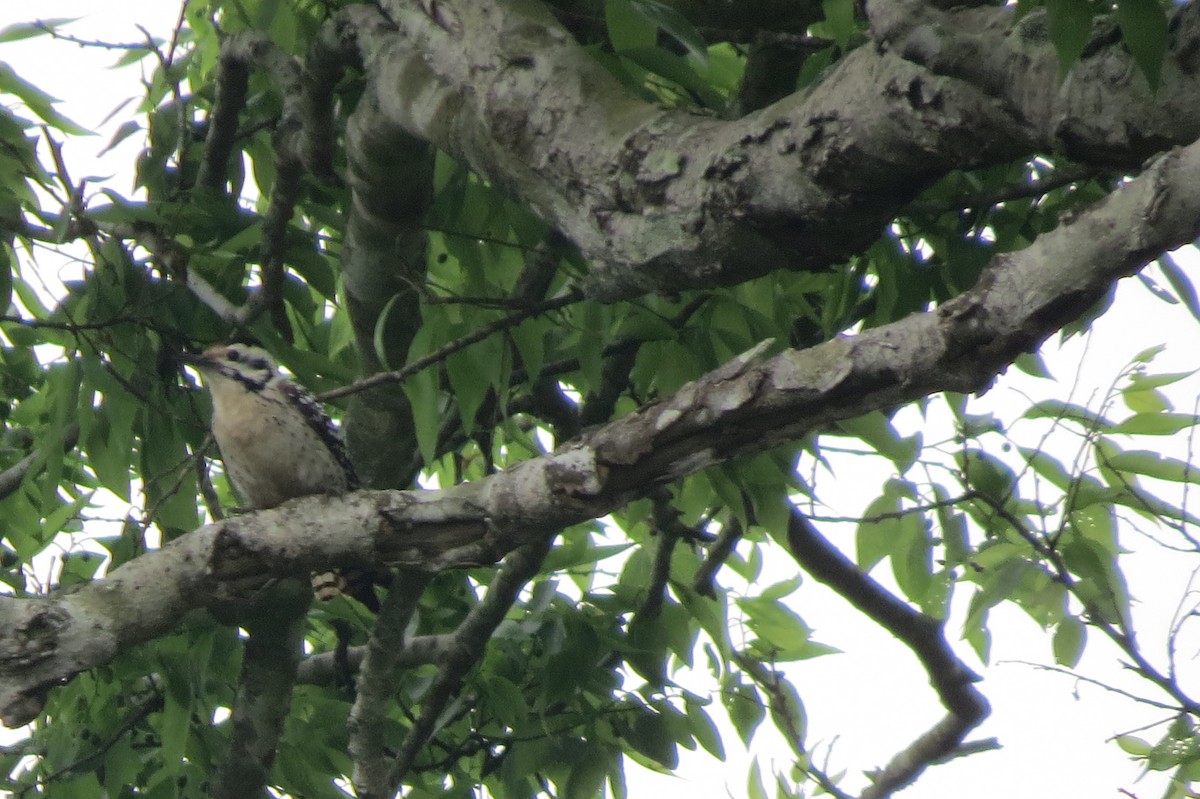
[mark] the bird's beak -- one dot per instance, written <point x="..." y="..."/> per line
<point x="197" y="359"/>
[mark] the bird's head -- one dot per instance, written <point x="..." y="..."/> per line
<point x="250" y="366"/>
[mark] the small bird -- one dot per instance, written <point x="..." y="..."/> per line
<point x="276" y="440"/>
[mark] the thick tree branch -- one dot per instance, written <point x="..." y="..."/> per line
<point x="1102" y="113"/>
<point x="662" y="200"/>
<point x="748" y="405"/>
<point x="264" y="693"/>
<point x="390" y="177"/>
<point x="376" y="682"/>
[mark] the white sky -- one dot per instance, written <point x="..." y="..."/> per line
<point x="867" y="703"/>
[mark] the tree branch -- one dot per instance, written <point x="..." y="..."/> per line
<point x="470" y="639"/>
<point x="658" y="200"/>
<point x="264" y="694"/>
<point x="324" y="668"/>
<point x="748" y="405"/>
<point x="12" y="477"/>
<point x="924" y="635"/>
<point x="376" y="684"/>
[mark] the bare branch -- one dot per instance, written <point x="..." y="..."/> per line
<point x="325" y="668"/>
<point x="445" y="351"/>
<point x="231" y="82"/>
<point x="924" y="635"/>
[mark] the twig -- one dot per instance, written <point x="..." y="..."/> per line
<point x="440" y="354"/>
<point x="1099" y="684"/>
<point x="89" y="762"/>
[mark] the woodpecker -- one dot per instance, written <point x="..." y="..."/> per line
<point x="276" y="440"/>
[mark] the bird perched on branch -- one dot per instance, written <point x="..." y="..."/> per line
<point x="276" y="440"/>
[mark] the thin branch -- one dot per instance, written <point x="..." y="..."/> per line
<point x="669" y="530"/>
<point x="925" y="636"/>
<point x="470" y="639"/>
<point x="783" y="712"/>
<point x="88" y="763"/>
<point x="12" y="477"/>
<point x="440" y="354"/>
<point x="231" y="83"/>
<point x="1027" y="189"/>
<point x="327" y="667"/>
<point x="1143" y="700"/>
<point x="704" y="581"/>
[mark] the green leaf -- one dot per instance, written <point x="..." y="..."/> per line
<point x="1139" y="381"/>
<point x="424" y="398"/>
<point x="1097" y="523"/>
<point x="1131" y="744"/>
<point x="628" y="29"/>
<point x="1145" y="400"/>
<point x="745" y="707"/>
<point x="587" y="774"/>
<point x="877" y="533"/>
<point x="1069" y="639"/>
<point x="1031" y="363"/>
<point x="647" y="652"/>
<point x="28" y="30"/>
<point x="650" y="736"/>
<point x="1181" y="283"/>
<point x="839" y="24"/>
<point x="912" y="559"/>
<point x="987" y="474"/>
<point x="38" y="102"/>
<point x="1155" y="424"/>
<point x="1154" y="465"/>
<point x="1047" y="466"/>
<point x="78" y="568"/>
<point x="1144" y="28"/>
<point x="754" y="784"/>
<point x="876" y="430"/>
<point x="473" y="372"/>
<point x="704" y="730"/>
<point x="1101" y="586"/>
<point x="671" y="22"/>
<point x="1056" y="409"/>
<point x="1070" y="28"/>
<point x="783" y="633"/>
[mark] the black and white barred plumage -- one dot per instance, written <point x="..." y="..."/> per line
<point x="276" y="440"/>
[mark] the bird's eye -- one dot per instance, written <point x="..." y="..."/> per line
<point x="233" y="355"/>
